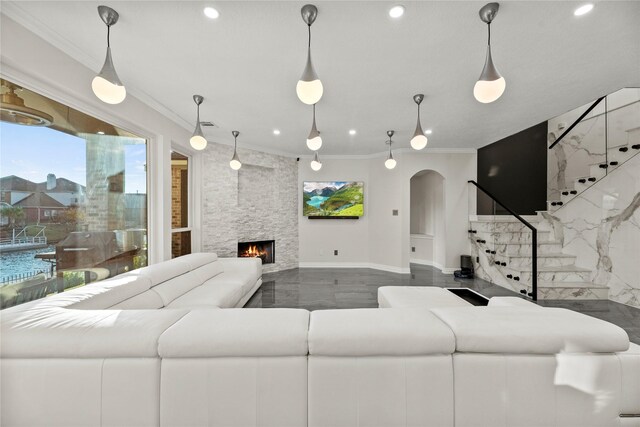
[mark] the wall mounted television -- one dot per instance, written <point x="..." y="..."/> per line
<point x="333" y="199"/>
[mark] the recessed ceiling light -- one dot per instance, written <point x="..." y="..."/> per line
<point x="100" y="133"/>
<point x="352" y="132"/>
<point x="583" y="10"/>
<point x="396" y="11"/>
<point x="428" y="132"/>
<point x="211" y="12"/>
<point x="276" y="131"/>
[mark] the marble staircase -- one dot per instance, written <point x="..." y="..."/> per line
<point x="616" y="157"/>
<point x="501" y="252"/>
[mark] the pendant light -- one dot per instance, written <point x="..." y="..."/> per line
<point x="314" y="141"/>
<point x="197" y="140"/>
<point x="316" y="164"/>
<point x="490" y="86"/>
<point x="309" y="87"/>
<point x="235" y="162"/>
<point x="107" y="85"/>
<point x="419" y="140"/>
<point x="390" y="163"/>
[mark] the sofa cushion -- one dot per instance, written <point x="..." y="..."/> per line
<point x="208" y="271"/>
<point x="512" y="302"/>
<point x="418" y="297"/>
<point x="198" y="259"/>
<point x="64" y="333"/>
<point x="161" y="272"/>
<point x="149" y="300"/>
<point x="243" y="280"/>
<point x="176" y="287"/>
<point x="237" y="332"/>
<point x="104" y="294"/>
<point x="222" y="294"/>
<point x="530" y="331"/>
<point x="378" y="332"/>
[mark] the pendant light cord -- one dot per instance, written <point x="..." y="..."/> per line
<point x="309" y="28"/>
<point x="489" y="36"/>
<point x="108" y="31"/>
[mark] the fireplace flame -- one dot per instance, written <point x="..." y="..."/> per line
<point x="253" y="252"/>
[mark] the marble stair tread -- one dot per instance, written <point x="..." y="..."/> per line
<point x="546" y="255"/>
<point x="548" y="269"/>
<point x="505" y="218"/>
<point x="527" y="231"/>
<point x="590" y="285"/>
<point x="540" y="242"/>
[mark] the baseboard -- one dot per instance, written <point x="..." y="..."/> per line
<point x="383" y="267"/>
<point x="444" y="270"/>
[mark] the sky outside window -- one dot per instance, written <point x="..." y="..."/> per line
<point x="31" y="153"/>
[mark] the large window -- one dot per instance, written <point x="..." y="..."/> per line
<point x="181" y="231"/>
<point x="73" y="195"/>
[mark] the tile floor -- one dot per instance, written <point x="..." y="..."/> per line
<point x="330" y="288"/>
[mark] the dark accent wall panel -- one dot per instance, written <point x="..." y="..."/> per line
<point x="514" y="170"/>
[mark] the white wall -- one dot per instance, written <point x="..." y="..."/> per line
<point x="386" y="235"/>
<point x="29" y="60"/>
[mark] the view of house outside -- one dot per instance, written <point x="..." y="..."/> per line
<point x="73" y="202"/>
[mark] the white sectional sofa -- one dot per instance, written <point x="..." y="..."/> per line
<point x="166" y="346"/>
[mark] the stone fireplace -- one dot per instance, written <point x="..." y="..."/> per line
<point x="263" y="249"/>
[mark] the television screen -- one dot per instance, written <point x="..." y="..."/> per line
<point x="333" y="199"/>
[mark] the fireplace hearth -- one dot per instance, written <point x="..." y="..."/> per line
<point x="263" y="249"/>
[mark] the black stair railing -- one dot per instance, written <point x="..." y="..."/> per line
<point x="534" y="242"/>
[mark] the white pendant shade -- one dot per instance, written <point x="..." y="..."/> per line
<point x="309" y="92"/>
<point x="198" y="142"/>
<point x="488" y="91"/>
<point x="390" y="163"/>
<point x="418" y="142"/>
<point x="316" y="164"/>
<point x="235" y="164"/>
<point x="108" y="92"/>
<point x="315" y="143"/>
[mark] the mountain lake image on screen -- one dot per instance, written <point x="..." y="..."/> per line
<point x="333" y="199"/>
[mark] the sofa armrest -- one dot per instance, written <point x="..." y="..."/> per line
<point x="242" y="265"/>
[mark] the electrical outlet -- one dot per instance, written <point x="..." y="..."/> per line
<point x="394" y="212"/>
<point x="335" y="252"/>
<point x="413" y="248"/>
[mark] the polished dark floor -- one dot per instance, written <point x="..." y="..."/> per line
<point x="330" y="288"/>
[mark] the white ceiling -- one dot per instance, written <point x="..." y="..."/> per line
<point x="247" y="62"/>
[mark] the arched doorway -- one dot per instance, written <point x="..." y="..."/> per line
<point x="427" y="219"/>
